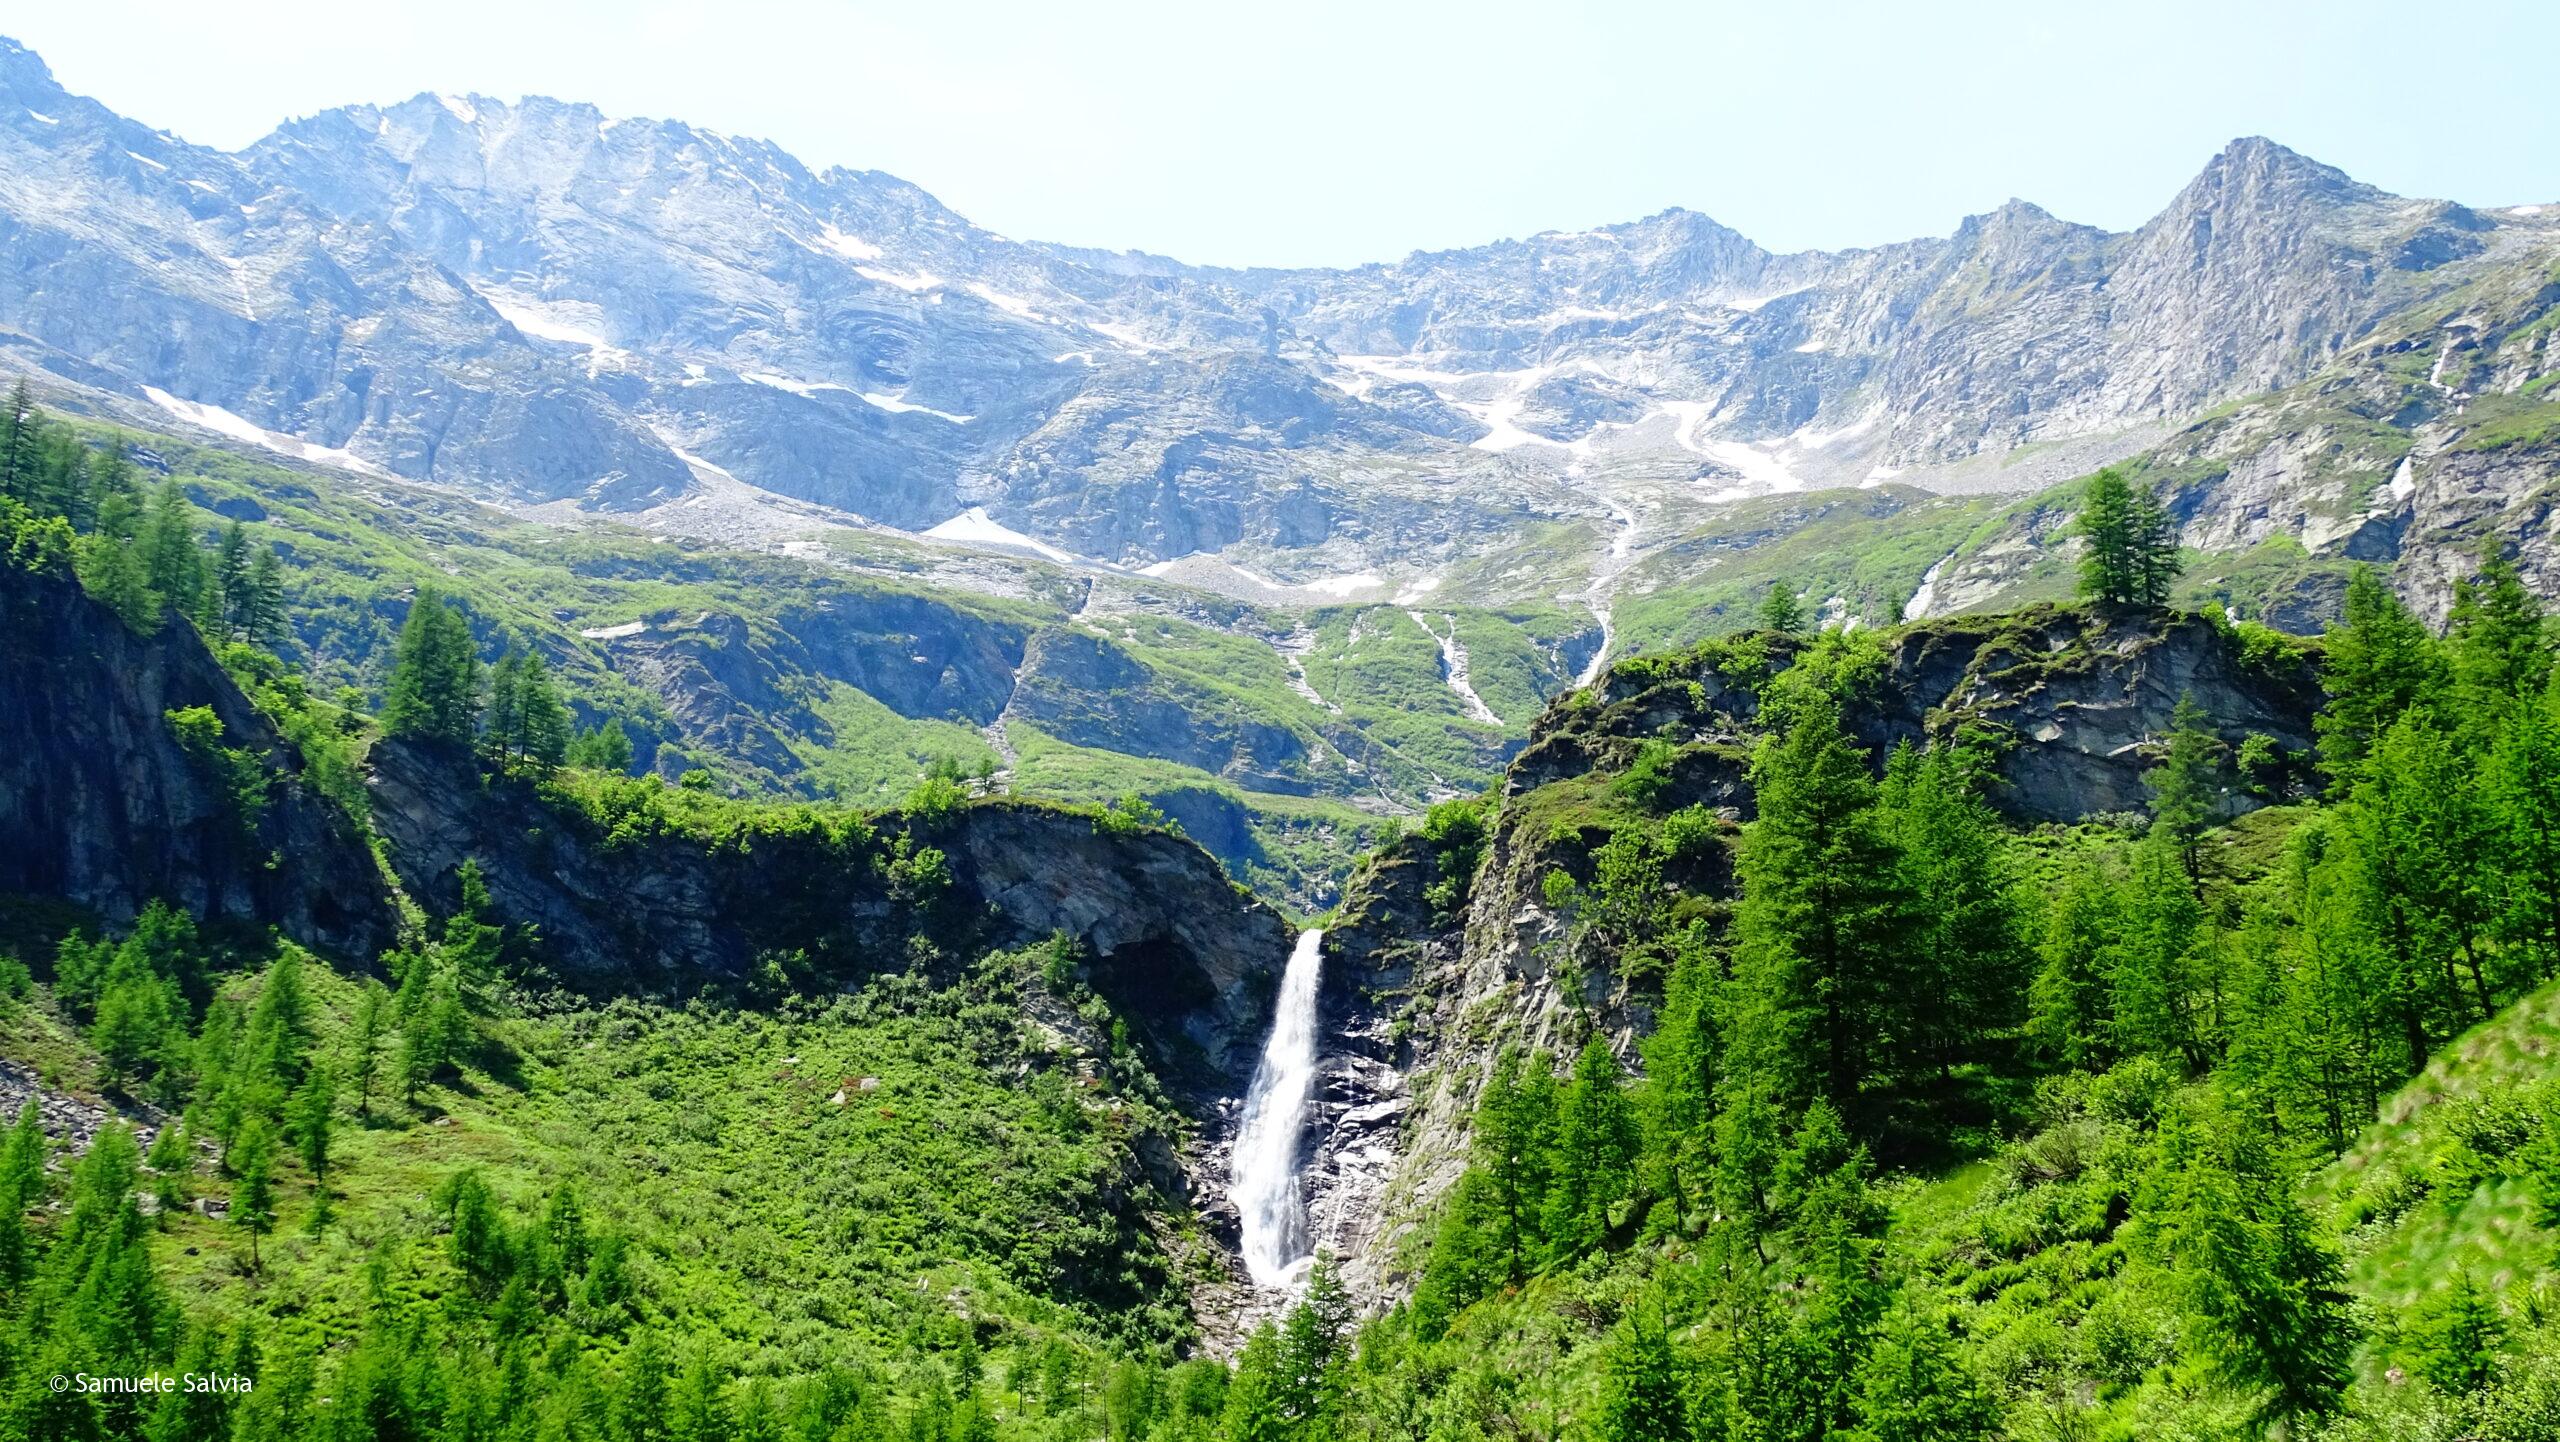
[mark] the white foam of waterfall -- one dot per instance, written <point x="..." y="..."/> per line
<point x="1264" y="1184"/>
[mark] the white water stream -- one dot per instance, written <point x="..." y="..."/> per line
<point x="1264" y="1185"/>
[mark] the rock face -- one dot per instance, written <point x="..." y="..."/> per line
<point x="649" y="910"/>
<point x="2071" y="701"/>
<point x="101" y="805"/>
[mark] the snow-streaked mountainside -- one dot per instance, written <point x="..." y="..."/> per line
<point x="537" y="302"/>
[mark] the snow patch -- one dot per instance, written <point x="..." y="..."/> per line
<point x="546" y="324"/>
<point x="461" y="109"/>
<point x="892" y="403"/>
<point x="797" y="388"/>
<point x="918" y="281"/>
<point x="147" y="160"/>
<point x="1009" y="304"/>
<point x="40" y="117"/>
<point x="2512" y="210"/>
<point x="2403" y="483"/>
<point x="975" y="527"/>
<point x="1811" y="347"/>
<point x="241" y="428"/>
<point x="614" y="633"/>
<point x="851" y="247"/>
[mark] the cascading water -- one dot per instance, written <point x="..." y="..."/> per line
<point x="1264" y="1185"/>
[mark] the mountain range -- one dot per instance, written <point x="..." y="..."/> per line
<point x="536" y="302"/>
<point x="1289" y="551"/>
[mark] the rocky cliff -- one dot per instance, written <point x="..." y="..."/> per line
<point x="636" y="902"/>
<point x="101" y="805"/>
<point x="2071" y="703"/>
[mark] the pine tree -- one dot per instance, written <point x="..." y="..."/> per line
<point x="2265" y="1299"/>
<point x="1512" y="1145"/>
<point x="1780" y="610"/>
<point x="364" y="1042"/>
<point x="434" y="691"/>
<point x="2152" y="963"/>
<point x="262" y="618"/>
<point x="253" y="1194"/>
<point x="2521" y="793"/>
<point x="1966" y="952"/>
<point x="2073" y="1017"/>
<point x="545" y="721"/>
<point x="311" y="1116"/>
<point x="171" y="1160"/>
<point x="231" y="578"/>
<point x="1595" y="1154"/>
<point x="110" y="571"/>
<point x="640" y="1404"/>
<point x="607" y="748"/>
<point x="2377" y="663"/>
<point x="2132" y="554"/>
<point x="1683" y="1067"/>
<point x="1824" y="922"/>
<point x="22" y="1159"/>
<point x="1641" y="1397"/>
<point x="2495" y="641"/>
<point x="172" y="562"/>
<point x="20" y="435"/>
<point x="1913" y="1386"/>
<point x="2458" y="1332"/>
<point x="2190" y="783"/>
<point x="1255" y="1406"/>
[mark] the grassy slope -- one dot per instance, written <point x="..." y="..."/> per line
<point x="778" y="1210"/>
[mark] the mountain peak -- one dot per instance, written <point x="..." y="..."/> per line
<point x="2255" y="164"/>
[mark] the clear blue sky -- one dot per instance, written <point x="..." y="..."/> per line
<point x="1319" y="132"/>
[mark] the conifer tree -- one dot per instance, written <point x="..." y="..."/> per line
<point x="2522" y="797"/>
<point x="1780" y="610"/>
<point x="2378" y="661"/>
<point x="2132" y="552"/>
<point x="364" y="1042"/>
<point x="262" y="617"/>
<point x="230" y="579"/>
<point x="1824" y="921"/>
<point x="22" y="1160"/>
<point x="1683" y="1068"/>
<point x="171" y="1160"/>
<point x="21" y="444"/>
<point x="2265" y="1298"/>
<point x="253" y="1195"/>
<point x="2188" y="786"/>
<point x="2458" y="1332"/>
<point x="434" y="691"/>
<point x="2073" y="1015"/>
<point x="111" y="571"/>
<point x="606" y="748"/>
<point x="172" y="562"/>
<point x="1641" y="1397"/>
<point x="1595" y="1154"/>
<point x="1966" y="951"/>
<point x="1913" y="1386"/>
<point x="2495" y="640"/>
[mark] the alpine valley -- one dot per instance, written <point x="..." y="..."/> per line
<point x="647" y="795"/>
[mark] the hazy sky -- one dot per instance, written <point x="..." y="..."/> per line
<point x="1330" y="133"/>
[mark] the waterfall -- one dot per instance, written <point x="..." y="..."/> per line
<point x="1264" y="1185"/>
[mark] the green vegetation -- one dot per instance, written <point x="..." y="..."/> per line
<point x="2158" y="1175"/>
<point x="2131" y="555"/>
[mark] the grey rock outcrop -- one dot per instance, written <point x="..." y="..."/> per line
<point x="100" y="805"/>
